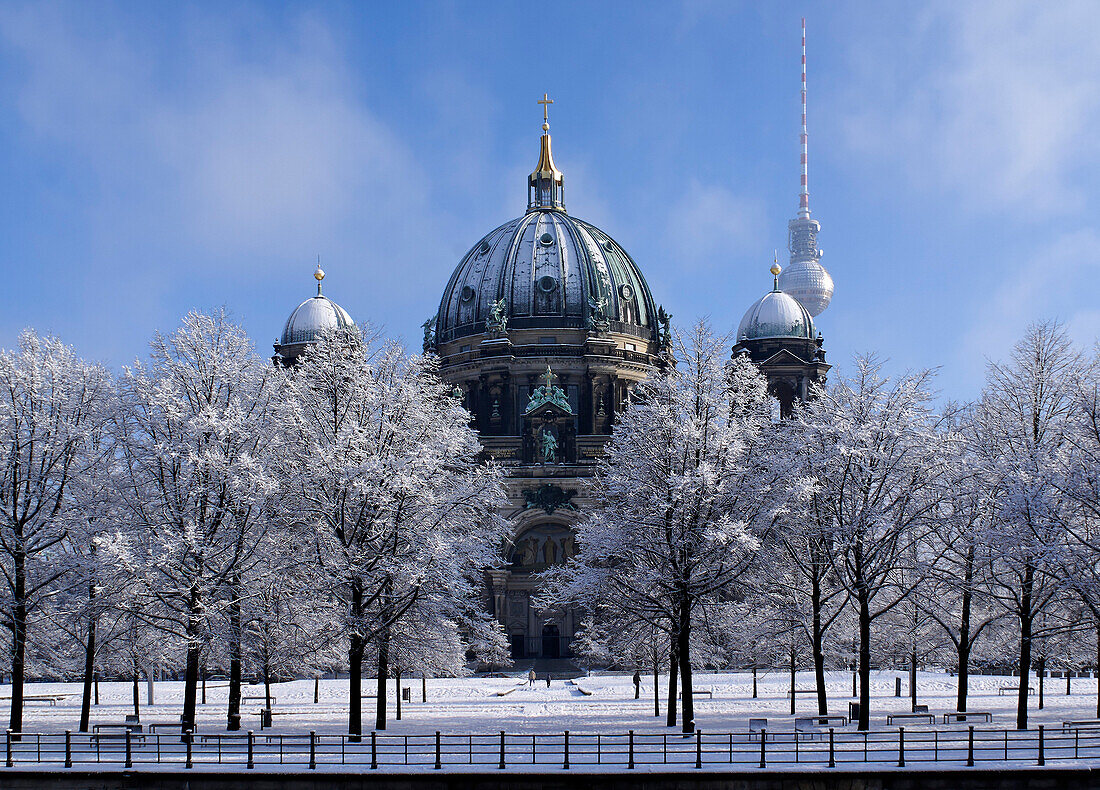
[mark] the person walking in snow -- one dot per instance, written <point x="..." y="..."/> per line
<point x="547" y="680"/>
<point x="531" y="677"/>
<point x="637" y="684"/>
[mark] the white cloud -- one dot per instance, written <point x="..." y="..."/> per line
<point x="995" y="100"/>
<point x="708" y="222"/>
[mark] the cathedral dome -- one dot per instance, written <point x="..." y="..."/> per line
<point x="776" y="315"/>
<point x="546" y="270"/>
<point x="553" y="271"/>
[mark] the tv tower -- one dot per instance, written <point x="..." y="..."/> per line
<point x="805" y="278"/>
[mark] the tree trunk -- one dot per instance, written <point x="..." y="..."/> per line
<point x="656" y="691"/>
<point x="1042" y="675"/>
<point x="687" y="698"/>
<point x="89" y="665"/>
<point x="134" y="690"/>
<point x="191" y="678"/>
<point x="817" y="647"/>
<point x="383" y="674"/>
<point x="355" y="687"/>
<point x="1098" y="667"/>
<point x="673" y="670"/>
<point x="913" y="678"/>
<point x="423" y="687"/>
<point x="149" y="671"/>
<point x="397" y="697"/>
<point x="792" y="667"/>
<point x="267" y="684"/>
<point x="19" y="639"/>
<point x="233" y="714"/>
<point x="1025" y="649"/>
<point x="964" y="672"/>
<point x="864" y="659"/>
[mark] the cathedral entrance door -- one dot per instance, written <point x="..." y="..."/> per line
<point x="551" y="641"/>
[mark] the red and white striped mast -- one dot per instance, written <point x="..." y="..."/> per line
<point x="804" y="193"/>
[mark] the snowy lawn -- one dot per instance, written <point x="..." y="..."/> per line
<point x="475" y="705"/>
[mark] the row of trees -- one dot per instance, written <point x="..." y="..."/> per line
<point x="870" y="527"/>
<point x="205" y="507"/>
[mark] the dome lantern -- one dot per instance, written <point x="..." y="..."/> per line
<point x="546" y="185"/>
<point x="309" y="320"/>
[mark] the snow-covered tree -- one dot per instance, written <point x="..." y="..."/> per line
<point x="51" y="404"/>
<point x="1022" y="424"/>
<point x="681" y="497"/>
<point x="383" y="466"/>
<point x="873" y="465"/>
<point x="194" y="434"/>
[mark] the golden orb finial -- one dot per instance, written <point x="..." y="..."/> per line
<point x="776" y="269"/>
<point x="318" y="275"/>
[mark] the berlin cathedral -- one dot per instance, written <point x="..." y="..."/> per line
<point x="545" y="327"/>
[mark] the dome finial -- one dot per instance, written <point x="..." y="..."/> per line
<point x="319" y="274"/>
<point x="546" y="185"/>
<point x="775" y="270"/>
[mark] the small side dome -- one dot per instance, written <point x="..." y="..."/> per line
<point x="776" y="315"/>
<point x="311" y="318"/>
<point x="308" y="321"/>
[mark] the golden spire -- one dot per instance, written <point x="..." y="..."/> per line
<point x="546" y="185"/>
<point x="318" y="275"/>
<point x="775" y="270"/>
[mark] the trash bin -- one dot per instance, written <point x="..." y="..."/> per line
<point x="406" y="694"/>
<point x="265" y="718"/>
<point x="853" y="711"/>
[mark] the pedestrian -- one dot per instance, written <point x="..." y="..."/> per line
<point x="547" y="680"/>
<point x="531" y="677"/>
<point x="637" y="684"/>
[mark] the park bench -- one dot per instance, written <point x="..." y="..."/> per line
<point x="807" y="725"/>
<point x="161" y="726"/>
<point x="257" y="698"/>
<point x="921" y="718"/>
<point x="796" y="692"/>
<point x="698" y="693"/>
<point x="756" y="727"/>
<point x="829" y="720"/>
<point x="1007" y="689"/>
<point x="122" y="728"/>
<point x="960" y="716"/>
<point x="1081" y="724"/>
<point x="48" y="699"/>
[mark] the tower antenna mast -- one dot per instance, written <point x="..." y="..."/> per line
<point x="804" y="192"/>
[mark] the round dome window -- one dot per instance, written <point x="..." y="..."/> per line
<point x="547" y="284"/>
<point x="467" y="293"/>
<point x="546" y="240"/>
<point x="607" y="244"/>
<point x="626" y="291"/>
<point x="484" y="248"/>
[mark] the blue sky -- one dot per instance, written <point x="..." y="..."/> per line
<point x="156" y="158"/>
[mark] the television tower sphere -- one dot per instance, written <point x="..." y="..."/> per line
<point x="809" y="283"/>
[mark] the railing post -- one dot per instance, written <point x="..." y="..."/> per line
<point x="832" y="754"/>
<point x="312" y="749"/>
<point x="970" y="747"/>
<point x="251" y="763"/>
<point x="698" y="748"/>
<point x="373" y="750"/>
<point x="68" y="749"/>
<point x="1042" y="757"/>
<point x="901" y="747"/>
<point x="763" y="755"/>
<point x="630" y="758"/>
<point x="9" y="763"/>
<point x="187" y="737"/>
<point x="565" y="752"/>
<point x="502" y="748"/>
<point x="438" y="755"/>
<point x="129" y="753"/>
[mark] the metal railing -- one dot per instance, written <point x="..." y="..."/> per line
<point x="564" y="750"/>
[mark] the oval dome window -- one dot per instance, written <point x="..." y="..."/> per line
<point x="626" y="291"/>
<point x="467" y="293"/>
<point x="546" y="240"/>
<point x="547" y="284"/>
<point x="484" y="248"/>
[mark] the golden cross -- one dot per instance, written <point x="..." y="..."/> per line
<point x="549" y="377"/>
<point x="544" y="101"/>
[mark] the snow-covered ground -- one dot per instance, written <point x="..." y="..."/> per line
<point x="488" y="705"/>
<point x="598" y="711"/>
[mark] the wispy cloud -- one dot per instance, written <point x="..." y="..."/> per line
<point x="709" y="220"/>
